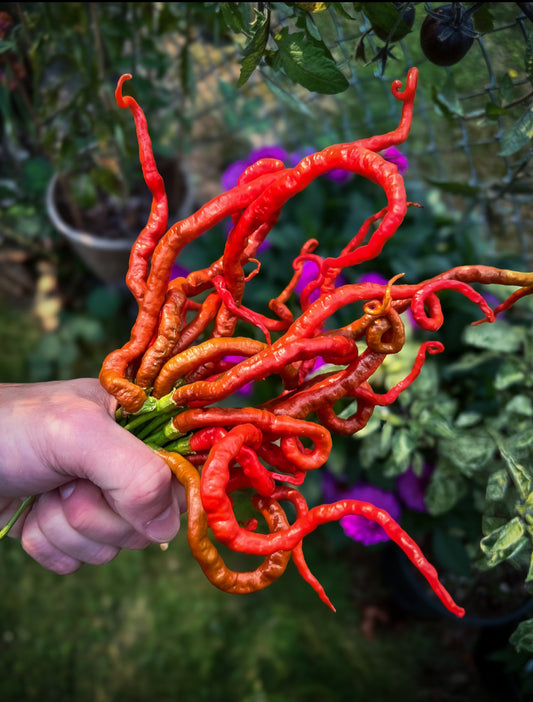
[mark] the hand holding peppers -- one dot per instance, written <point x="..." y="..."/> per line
<point x="171" y="377"/>
<point x="94" y="496"/>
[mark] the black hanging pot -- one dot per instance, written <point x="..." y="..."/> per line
<point x="494" y="598"/>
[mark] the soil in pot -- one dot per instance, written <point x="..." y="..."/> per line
<point x="107" y="230"/>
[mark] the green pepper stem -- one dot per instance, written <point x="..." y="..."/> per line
<point x="4" y="531"/>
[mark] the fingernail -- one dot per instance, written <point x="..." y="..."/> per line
<point x="66" y="491"/>
<point x="164" y="527"/>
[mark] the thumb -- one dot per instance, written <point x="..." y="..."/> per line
<point x="145" y="493"/>
<point x="136" y="482"/>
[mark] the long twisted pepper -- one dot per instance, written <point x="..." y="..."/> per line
<point x="175" y="368"/>
<point x="156" y="226"/>
<point x="206" y="553"/>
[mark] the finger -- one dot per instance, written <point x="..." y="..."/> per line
<point x="148" y="499"/>
<point x="41" y="550"/>
<point x="89" y="514"/>
<point x="135" y="481"/>
<point x="51" y="525"/>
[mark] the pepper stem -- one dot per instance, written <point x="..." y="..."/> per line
<point x="4" y="531"/>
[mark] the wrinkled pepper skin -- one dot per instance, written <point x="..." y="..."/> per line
<point x="177" y="379"/>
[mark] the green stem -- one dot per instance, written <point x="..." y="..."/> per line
<point x="163" y="435"/>
<point x="6" y="529"/>
<point x="154" y="425"/>
<point x="181" y="445"/>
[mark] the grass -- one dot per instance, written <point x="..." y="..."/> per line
<point x="149" y="626"/>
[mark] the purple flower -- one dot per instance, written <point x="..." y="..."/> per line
<point x="178" y="272"/>
<point x="337" y="175"/>
<point x="247" y="389"/>
<point x="362" y="529"/>
<point x="309" y="274"/>
<point x="357" y="527"/>
<point x="412" y="488"/>
<point x="234" y="170"/>
<point x="395" y="156"/>
<point x="372" y="277"/>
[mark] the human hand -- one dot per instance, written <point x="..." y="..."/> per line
<point x="98" y="488"/>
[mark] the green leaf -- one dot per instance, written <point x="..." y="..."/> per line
<point x="450" y="553"/>
<point x="496" y="337"/>
<point x="521" y="474"/>
<point x="468" y="419"/>
<point x="455" y="188"/>
<point x="519" y="134"/>
<point x="403" y="446"/>
<point x="232" y="17"/>
<point x="37" y="174"/>
<point x="447" y="486"/>
<point x="522" y="636"/>
<point x="309" y="63"/>
<point x="386" y="20"/>
<point x="505" y="543"/>
<point x="254" y="49"/>
<point x="494" y="111"/>
<point x="447" y="99"/>
<point x="470" y="451"/>
<point x="385" y="439"/>
<point x="7" y="45"/>
<point x="483" y="19"/>
<point x="469" y="361"/>
<point x="341" y="10"/>
<point x="529" y="576"/>
<point x="497" y="485"/>
<point x="510" y="373"/>
<point x="506" y="88"/>
<point x="520" y="404"/>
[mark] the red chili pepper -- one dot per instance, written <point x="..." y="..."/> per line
<point x="173" y="368"/>
<point x="226" y="529"/>
<point x="206" y="553"/>
<point x="156" y="226"/>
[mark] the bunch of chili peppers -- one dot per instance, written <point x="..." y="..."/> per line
<point x="172" y="379"/>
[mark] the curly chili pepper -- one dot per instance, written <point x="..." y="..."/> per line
<point x="226" y="529"/>
<point x="286" y="428"/>
<point x="156" y="226"/>
<point x="206" y="553"/>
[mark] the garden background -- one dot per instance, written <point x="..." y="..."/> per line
<point x="221" y="83"/>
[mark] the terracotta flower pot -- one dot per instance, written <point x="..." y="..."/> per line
<point x="105" y="252"/>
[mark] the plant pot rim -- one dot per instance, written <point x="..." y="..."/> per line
<point x="108" y="256"/>
<point x="410" y="592"/>
<point x="80" y="236"/>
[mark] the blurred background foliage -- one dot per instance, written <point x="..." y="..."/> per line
<point x="218" y="81"/>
